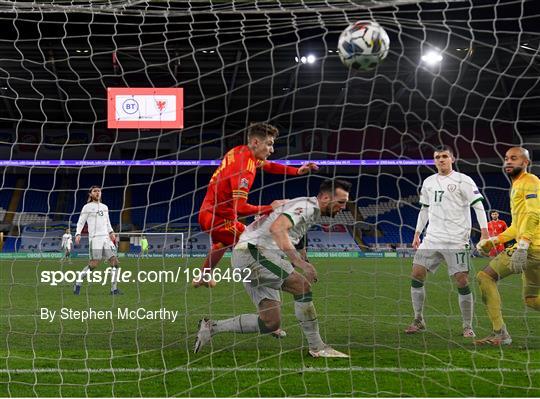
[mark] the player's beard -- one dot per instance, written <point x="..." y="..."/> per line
<point x="515" y="172"/>
<point x="326" y="212"/>
<point x="330" y="213"/>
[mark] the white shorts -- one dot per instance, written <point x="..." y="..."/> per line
<point x="430" y="255"/>
<point x="101" y="248"/>
<point x="67" y="247"/>
<point x="266" y="272"/>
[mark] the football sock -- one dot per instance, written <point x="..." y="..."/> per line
<point x="533" y="302"/>
<point x="84" y="272"/>
<point x="215" y="255"/>
<point x="466" y="304"/>
<point x="307" y="316"/>
<point x="114" y="278"/>
<point x="245" y="323"/>
<point x="418" y="295"/>
<point x="491" y="298"/>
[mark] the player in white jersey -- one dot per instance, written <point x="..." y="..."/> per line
<point x="100" y="236"/>
<point x="446" y="198"/>
<point x="261" y="257"/>
<point x="67" y="244"/>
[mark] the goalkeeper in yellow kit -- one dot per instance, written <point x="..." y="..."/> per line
<point x="524" y="256"/>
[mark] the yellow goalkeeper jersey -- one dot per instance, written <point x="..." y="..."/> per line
<point x="525" y="207"/>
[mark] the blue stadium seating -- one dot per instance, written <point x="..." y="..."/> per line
<point x="176" y="198"/>
<point x="7" y="182"/>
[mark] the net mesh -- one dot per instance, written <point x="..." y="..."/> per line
<point x="241" y="62"/>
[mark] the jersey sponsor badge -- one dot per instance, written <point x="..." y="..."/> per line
<point x="452" y="187"/>
<point x="529" y="196"/>
<point x="244" y="183"/>
<point x="298" y="211"/>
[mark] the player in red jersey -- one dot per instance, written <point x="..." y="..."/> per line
<point x="496" y="227"/>
<point x="227" y="194"/>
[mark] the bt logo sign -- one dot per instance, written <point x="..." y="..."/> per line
<point x="130" y="106"/>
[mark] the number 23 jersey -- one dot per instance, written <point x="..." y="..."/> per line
<point x="96" y="214"/>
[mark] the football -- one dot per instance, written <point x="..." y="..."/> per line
<point x="363" y="45"/>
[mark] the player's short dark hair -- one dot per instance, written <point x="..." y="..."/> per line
<point x="443" y="148"/>
<point x="262" y="130"/>
<point x="330" y="186"/>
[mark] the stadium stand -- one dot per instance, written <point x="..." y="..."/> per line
<point x="153" y="198"/>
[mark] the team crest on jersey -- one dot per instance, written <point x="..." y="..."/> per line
<point x="244" y="183"/>
<point x="452" y="187"/>
<point x="298" y="211"/>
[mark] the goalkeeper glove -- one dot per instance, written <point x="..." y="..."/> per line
<point x="486" y="245"/>
<point x="518" y="262"/>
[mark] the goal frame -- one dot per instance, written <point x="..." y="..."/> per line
<point x="137" y="233"/>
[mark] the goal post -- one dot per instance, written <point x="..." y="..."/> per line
<point x="163" y="244"/>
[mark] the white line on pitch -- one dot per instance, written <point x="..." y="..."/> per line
<point x="339" y="316"/>
<point x="272" y="369"/>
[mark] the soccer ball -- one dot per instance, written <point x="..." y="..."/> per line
<point x="363" y="45"/>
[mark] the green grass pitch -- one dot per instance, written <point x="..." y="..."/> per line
<point x="363" y="307"/>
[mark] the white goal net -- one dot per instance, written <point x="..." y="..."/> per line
<point x="240" y="62"/>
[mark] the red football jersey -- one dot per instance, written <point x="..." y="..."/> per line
<point x="232" y="181"/>
<point x="496" y="227"/>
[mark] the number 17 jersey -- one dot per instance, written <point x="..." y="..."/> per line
<point x="449" y="199"/>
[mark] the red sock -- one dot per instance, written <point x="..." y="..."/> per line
<point x="215" y="255"/>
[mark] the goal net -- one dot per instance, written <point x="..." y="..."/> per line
<point x="458" y="73"/>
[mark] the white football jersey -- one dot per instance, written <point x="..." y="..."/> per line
<point x="449" y="199"/>
<point x="67" y="239"/>
<point x="303" y="213"/>
<point x="96" y="214"/>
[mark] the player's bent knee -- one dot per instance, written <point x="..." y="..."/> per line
<point x="533" y="302"/>
<point x="269" y="307"/>
<point x="306" y="286"/>
<point x="296" y="284"/>
<point x="482" y="276"/>
<point x="269" y="315"/>
<point x="271" y="325"/>
<point x="418" y="273"/>
<point x="462" y="279"/>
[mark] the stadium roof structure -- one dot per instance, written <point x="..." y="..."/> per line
<point x="236" y="63"/>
